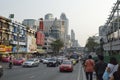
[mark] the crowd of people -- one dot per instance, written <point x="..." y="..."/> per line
<point x="103" y="70"/>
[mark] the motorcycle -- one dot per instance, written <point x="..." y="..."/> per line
<point x="10" y="65"/>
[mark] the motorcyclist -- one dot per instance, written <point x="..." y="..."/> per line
<point x="10" y="63"/>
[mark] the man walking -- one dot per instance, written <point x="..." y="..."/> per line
<point x="100" y="67"/>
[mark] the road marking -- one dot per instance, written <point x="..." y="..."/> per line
<point x="78" y="78"/>
<point x="32" y="77"/>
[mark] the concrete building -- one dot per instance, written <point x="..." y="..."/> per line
<point x="19" y="37"/>
<point x="31" y="41"/>
<point x="47" y="46"/>
<point x="5" y="35"/>
<point x="112" y="46"/>
<point x="31" y="26"/>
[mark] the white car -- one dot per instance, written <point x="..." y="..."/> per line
<point x="45" y="61"/>
<point x="31" y="62"/>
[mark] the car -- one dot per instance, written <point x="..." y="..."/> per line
<point x="45" y="61"/>
<point x="60" y="60"/>
<point x="1" y="71"/>
<point x="66" y="66"/>
<point x="52" y="62"/>
<point x="5" y="59"/>
<point x="18" y="61"/>
<point x="31" y="63"/>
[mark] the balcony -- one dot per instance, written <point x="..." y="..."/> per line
<point x="5" y="42"/>
<point x="113" y="45"/>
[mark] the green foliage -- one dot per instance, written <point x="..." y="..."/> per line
<point x="57" y="45"/>
<point x="91" y="44"/>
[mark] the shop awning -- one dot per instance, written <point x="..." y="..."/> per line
<point x="41" y="51"/>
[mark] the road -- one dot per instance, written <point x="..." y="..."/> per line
<point x="42" y="73"/>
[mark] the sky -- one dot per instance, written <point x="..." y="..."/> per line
<point x="85" y="16"/>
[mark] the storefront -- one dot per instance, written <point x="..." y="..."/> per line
<point x="5" y="50"/>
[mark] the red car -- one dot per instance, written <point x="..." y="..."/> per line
<point x="18" y="61"/>
<point x="5" y="59"/>
<point x="66" y="66"/>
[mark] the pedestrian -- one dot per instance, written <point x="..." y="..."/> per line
<point x="116" y="74"/>
<point x="10" y="62"/>
<point x="89" y="67"/>
<point x="112" y="66"/>
<point x="100" y="67"/>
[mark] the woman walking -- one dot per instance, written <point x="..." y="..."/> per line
<point x="89" y="67"/>
<point x="116" y="74"/>
<point x="112" y="66"/>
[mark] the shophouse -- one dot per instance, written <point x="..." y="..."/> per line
<point x="5" y="35"/>
<point x="18" y="38"/>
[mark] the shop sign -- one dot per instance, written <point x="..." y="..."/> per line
<point x="2" y="48"/>
<point x="8" y="48"/>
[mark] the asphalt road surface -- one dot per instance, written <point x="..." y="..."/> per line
<point x="42" y="73"/>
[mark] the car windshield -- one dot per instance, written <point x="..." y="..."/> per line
<point x="66" y="62"/>
<point x="51" y="59"/>
<point x="30" y="60"/>
<point x="19" y="59"/>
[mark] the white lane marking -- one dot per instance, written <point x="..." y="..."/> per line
<point x="78" y="78"/>
<point x="31" y="76"/>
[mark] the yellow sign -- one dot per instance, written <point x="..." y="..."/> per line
<point x="2" y="48"/>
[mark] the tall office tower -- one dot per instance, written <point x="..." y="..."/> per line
<point x="31" y="23"/>
<point x="72" y="37"/>
<point x="65" y="24"/>
<point x="55" y="30"/>
<point x="49" y="16"/>
<point x="48" y="22"/>
<point x="60" y="26"/>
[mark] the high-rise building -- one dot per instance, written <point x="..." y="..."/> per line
<point x="60" y="25"/>
<point x="49" y="16"/>
<point x="72" y="38"/>
<point x="31" y="23"/>
<point x="65" y="24"/>
<point x="72" y="35"/>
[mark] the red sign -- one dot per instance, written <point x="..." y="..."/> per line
<point x="41" y="25"/>
<point x="40" y="38"/>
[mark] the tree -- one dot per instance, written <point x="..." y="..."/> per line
<point x="57" y="45"/>
<point x="91" y="44"/>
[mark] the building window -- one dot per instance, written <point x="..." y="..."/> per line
<point x="15" y="29"/>
<point x="15" y="38"/>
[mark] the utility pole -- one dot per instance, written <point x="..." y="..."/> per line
<point x="18" y="32"/>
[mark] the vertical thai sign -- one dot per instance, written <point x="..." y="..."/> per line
<point x="39" y="34"/>
<point x="40" y="38"/>
<point x="41" y="25"/>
